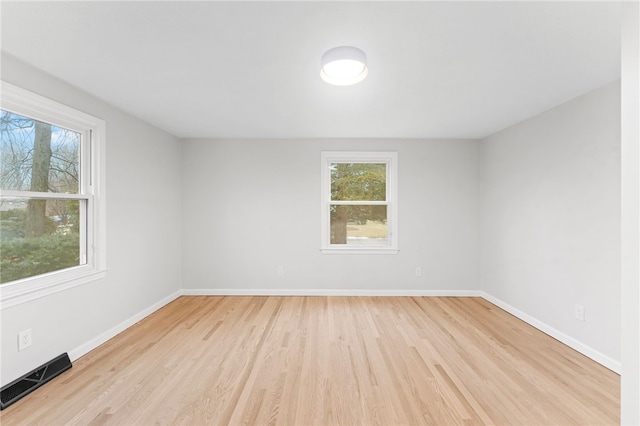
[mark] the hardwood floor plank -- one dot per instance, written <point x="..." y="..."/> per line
<point x="327" y="361"/>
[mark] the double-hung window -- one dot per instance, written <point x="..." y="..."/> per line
<point x="359" y="202"/>
<point x="52" y="233"/>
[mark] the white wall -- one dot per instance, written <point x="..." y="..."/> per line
<point x="250" y="206"/>
<point x="550" y="218"/>
<point x="143" y="235"/>
<point x="630" y="380"/>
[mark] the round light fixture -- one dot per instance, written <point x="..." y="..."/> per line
<point x="344" y="65"/>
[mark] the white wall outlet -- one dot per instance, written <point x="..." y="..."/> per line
<point x="418" y="271"/>
<point x="280" y="271"/>
<point x="24" y="339"/>
<point x="578" y="312"/>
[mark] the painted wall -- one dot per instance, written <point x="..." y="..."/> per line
<point x="250" y="206"/>
<point x="630" y="123"/>
<point x="550" y="218"/>
<point x="143" y="235"/>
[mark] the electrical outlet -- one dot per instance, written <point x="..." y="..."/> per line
<point x="280" y="271"/>
<point x="578" y="312"/>
<point x="24" y="339"/>
<point x="418" y="271"/>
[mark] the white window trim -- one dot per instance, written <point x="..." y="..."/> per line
<point x="29" y="104"/>
<point x="391" y="160"/>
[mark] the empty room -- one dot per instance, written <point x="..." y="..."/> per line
<point x="296" y="213"/>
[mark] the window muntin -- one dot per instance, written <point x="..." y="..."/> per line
<point x="52" y="231"/>
<point x="359" y="209"/>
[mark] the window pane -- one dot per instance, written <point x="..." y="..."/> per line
<point x="38" y="236"/>
<point x="37" y="156"/>
<point x="358" y="181"/>
<point x="363" y="225"/>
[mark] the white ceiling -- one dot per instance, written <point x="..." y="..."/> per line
<point x="251" y="69"/>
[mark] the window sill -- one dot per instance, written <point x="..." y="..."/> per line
<point x="23" y="291"/>
<point x="359" y="250"/>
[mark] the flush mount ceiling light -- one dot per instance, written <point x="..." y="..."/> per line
<point x="344" y="65"/>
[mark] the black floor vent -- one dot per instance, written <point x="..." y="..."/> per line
<point x="33" y="380"/>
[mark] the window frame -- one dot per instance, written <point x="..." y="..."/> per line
<point x="91" y="191"/>
<point x="391" y="160"/>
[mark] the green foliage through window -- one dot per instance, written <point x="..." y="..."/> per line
<point x="358" y="182"/>
<point x="23" y="258"/>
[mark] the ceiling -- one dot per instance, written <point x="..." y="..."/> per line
<point x="251" y="69"/>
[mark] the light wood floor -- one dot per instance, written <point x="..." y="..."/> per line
<point x="327" y="360"/>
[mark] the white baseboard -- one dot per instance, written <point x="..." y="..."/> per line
<point x="585" y="350"/>
<point x="103" y="337"/>
<point x="329" y="292"/>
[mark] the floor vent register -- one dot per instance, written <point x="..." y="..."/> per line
<point x="33" y="380"/>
